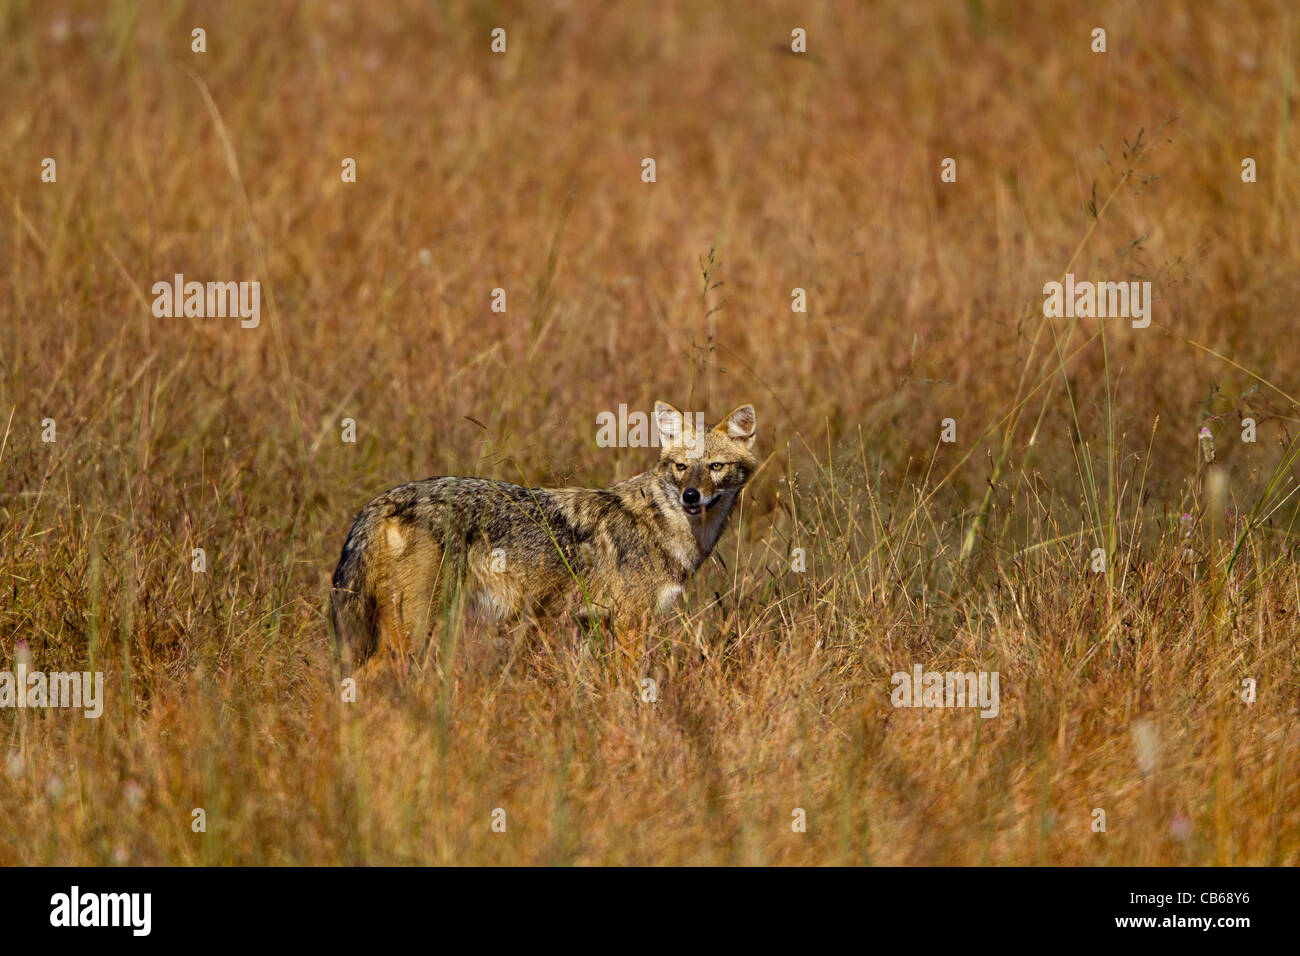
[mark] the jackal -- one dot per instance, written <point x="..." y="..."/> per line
<point x="619" y="552"/>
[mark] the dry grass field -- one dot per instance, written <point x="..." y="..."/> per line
<point x="1125" y="690"/>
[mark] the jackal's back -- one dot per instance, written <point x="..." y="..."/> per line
<point x="506" y="547"/>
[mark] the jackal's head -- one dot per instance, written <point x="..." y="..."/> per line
<point x="705" y="465"/>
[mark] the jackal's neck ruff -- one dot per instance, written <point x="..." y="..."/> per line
<point x="707" y="526"/>
<point x="688" y="538"/>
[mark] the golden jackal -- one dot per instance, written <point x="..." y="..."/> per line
<point x="618" y="552"/>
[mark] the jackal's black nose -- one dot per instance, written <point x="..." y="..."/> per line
<point x="691" y="496"/>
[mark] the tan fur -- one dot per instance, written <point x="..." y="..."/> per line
<point x="620" y="552"/>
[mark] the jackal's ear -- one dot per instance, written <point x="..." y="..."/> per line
<point x="669" y="422"/>
<point x="740" y="425"/>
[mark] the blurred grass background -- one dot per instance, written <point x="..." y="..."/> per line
<point x="523" y="171"/>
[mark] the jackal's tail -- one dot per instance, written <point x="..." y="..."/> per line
<point x="352" y="599"/>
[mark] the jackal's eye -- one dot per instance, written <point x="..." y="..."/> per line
<point x="716" y="466"/>
<point x="680" y="466"/>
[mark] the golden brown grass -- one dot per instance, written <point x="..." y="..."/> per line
<point x="523" y="172"/>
